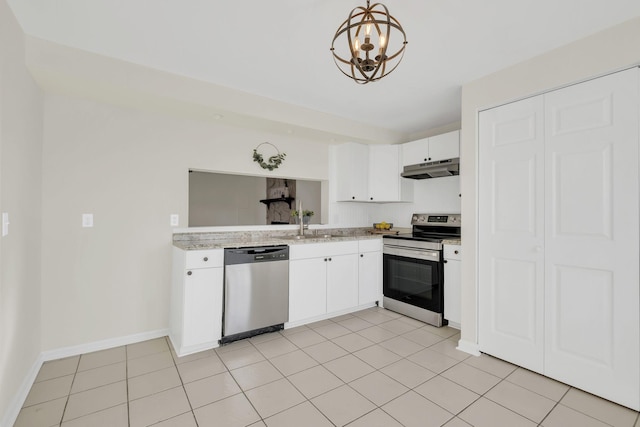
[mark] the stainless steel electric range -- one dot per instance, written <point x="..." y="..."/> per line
<point x="413" y="267"/>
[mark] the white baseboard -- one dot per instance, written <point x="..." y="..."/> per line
<point x="14" y="408"/>
<point x="75" y="350"/>
<point x="468" y="347"/>
<point x="21" y="395"/>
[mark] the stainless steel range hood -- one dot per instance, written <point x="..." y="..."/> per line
<point x="435" y="169"/>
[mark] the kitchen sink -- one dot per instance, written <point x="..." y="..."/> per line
<point x="307" y="236"/>
<point x="296" y="237"/>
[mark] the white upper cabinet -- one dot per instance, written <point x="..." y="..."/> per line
<point x="351" y="171"/>
<point x="370" y="174"/>
<point x="385" y="183"/>
<point x="439" y="147"/>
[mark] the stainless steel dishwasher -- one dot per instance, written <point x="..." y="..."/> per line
<point x="256" y="291"/>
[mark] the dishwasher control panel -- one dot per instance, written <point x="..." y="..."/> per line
<point x="256" y="254"/>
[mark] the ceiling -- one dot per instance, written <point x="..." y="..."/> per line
<point x="279" y="50"/>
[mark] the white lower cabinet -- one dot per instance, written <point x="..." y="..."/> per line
<point x="307" y="288"/>
<point x="452" y="284"/>
<point x="370" y="271"/>
<point x="342" y="282"/>
<point x="196" y="300"/>
<point x="326" y="278"/>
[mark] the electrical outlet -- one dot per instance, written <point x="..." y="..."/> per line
<point x="87" y="220"/>
<point x="5" y="223"/>
<point x="174" y="220"/>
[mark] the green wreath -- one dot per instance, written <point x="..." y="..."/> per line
<point x="273" y="162"/>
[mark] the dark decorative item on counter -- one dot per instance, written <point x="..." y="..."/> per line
<point x="273" y="162"/>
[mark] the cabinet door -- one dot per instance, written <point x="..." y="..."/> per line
<point x="307" y="288"/>
<point x="415" y="152"/>
<point x="511" y="232"/>
<point x="384" y="173"/>
<point x="445" y="146"/>
<point x="202" y="318"/>
<point x="351" y="162"/>
<point x="369" y="277"/>
<point x="452" y="284"/>
<point x="342" y="282"/>
<point x="591" y="295"/>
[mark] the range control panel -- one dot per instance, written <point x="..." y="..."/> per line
<point x="452" y="220"/>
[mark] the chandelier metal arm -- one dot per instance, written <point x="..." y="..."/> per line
<point x="364" y="23"/>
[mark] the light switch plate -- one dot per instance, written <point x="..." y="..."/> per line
<point x="5" y="223"/>
<point x="87" y="220"/>
<point x="174" y="220"/>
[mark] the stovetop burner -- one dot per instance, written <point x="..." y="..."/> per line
<point x="431" y="229"/>
<point x="418" y="236"/>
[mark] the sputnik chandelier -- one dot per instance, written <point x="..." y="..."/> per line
<point x="374" y="44"/>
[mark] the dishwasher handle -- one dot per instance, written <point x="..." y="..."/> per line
<point x="256" y="254"/>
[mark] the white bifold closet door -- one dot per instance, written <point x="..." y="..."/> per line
<point x="592" y="325"/>
<point x="511" y="228"/>
<point x="562" y="296"/>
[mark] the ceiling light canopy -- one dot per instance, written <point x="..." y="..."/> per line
<point x="369" y="44"/>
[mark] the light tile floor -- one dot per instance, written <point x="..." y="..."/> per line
<point x="374" y="368"/>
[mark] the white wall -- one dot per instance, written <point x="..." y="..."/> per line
<point x="20" y="196"/>
<point x="129" y="168"/>
<point x="225" y="199"/>
<point x="310" y="193"/>
<point x="607" y="51"/>
<point x="435" y="195"/>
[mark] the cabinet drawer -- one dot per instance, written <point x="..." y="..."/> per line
<point x="316" y="250"/>
<point x="205" y="259"/>
<point x="452" y="252"/>
<point x="370" y="245"/>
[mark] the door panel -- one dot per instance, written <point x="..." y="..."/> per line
<point x="514" y="196"/>
<point x="584" y="327"/>
<point x="582" y="191"/>
<point x="511" y="236"/>
<point x="342" y="282"/>
<point x="592" y="326"/>
<point x="307" y="288"/>
<point x="202" y="306"/>
<point x="583" y="114"/>
<point x="514" y="293"/>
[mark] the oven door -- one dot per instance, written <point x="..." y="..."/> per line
<point x="414" y="277"/>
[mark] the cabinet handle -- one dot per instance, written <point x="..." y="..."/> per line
<point x="205" y="259"/>
<point x="325" y="260"/>
<point x="425" y="160"/>
<point x="189" y="273"/>
<point x="353" y="197"/>
<point x="370" y="198"/>
<point x="329" y="259"/>
<point x="429" y="158"/>
<point x="361" y="255"/>
<point x="445" y="261"/>
<point x="455" y="252"/>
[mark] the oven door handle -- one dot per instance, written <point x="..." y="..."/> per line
<point x="426" y="255"/>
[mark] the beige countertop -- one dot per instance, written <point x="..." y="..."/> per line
<point x="451" y="241"/>
<point x="203" y="241"/>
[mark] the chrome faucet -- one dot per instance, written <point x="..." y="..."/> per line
<point x="300" y="218"/>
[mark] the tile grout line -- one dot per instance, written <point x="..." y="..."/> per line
<point x="554" y="406"/>
<point x="69" y="395"/>
<point x="126" y="377"/>
<point x="175" y="365"/>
